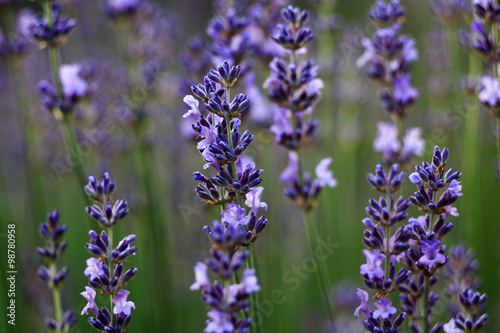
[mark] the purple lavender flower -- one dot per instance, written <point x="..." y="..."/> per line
<point x="222" y="146"/>
<point x="373" y="269"/>
<point x="385" y="14"/>
<point x="52" y="33"/>
<point x="89" y="294"/>
<point x="379" y="320"/>
<point x="122" y="306"/>
<point x="52" y="233"/>
<point x="387" y="140"/>
<point x="489" y="94"/>
<point x="384" y="309"/>
<point x="389" y="55"/>
<point x="74" y="87"/>
<point x="105" y="271"/>
<point x="431" y="257"/>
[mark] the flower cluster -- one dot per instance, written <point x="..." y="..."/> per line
<point x="226" y="300"/>
<point x="105" y="271"/>
<point x="383" y="251"/>
<point x="460" y="273"/>
<point x="427" y="253"/>
<point x="379" y="320"/>
<point x="222" y="145"/>
<point x="52" y="30"/>
<point x="482" y="34"/>
<point x="295" y="89"/>
<point x="52" y="233"/>
<point x="389" y="55"/>
<point x="388" y="143"/>
<point x="74" y="88"/>
<point x="470" y="319"/>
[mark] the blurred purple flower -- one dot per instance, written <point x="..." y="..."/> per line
<point x="290" y="174"/>
<point x="403" y="92"/>
<point x="489" y="91"/>
<point x="413" y="144"/>
<point x="325" y="176"/>
<point x="72" y="84"/>
<point x="218" y="322"/>
<point x="201" y="277"/>
<point x="249" y="283"/>
<point x="387" y="140"/>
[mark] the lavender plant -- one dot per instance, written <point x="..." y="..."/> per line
<point x="388" y="55"/>
<point x="67" y="88"/>
<point x="222" y="146"/>
<point x="105" y="270"/>
<point x="484" y="38"/>
<point x="383" y="250"/>
<point x="295" y="89"/>
<point x="52" y="233"/>
<point x="438" y="189"/>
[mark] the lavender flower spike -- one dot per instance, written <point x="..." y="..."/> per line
<point x="52" y="233"/>
<point x="105" y="270"/>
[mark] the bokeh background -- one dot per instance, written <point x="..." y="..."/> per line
<point x="156" y="158"/>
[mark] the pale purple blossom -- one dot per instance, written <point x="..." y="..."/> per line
<point x="193" y="103"/>
<point x="363" y="297"/>
<point x="431" y="255"/>
<point x="289" y="175"/>
<point x="387" y="139"/>
<point x="249" y="283"/>
<point x="89" y="294"/>
<point x="489" y="91"/>
<point x="218" y="322"/>
<point x="409" y="52"/>
<point x="413" y="144"/>
<point x="72" y="83"/>
<point x="325" y="176"/>
<point x="253" y="199"/>
<point x="403" y="92"/>
<point x="201" y="277"/>
<point x="122" y="306"/>
<point x="384" y="309"/>
<point x="94" y="269"/>
<point x="369" y="53"/>
<point x="281" y="125"/>
<point x="373" y="268"/>
<point x="234" y="215"/>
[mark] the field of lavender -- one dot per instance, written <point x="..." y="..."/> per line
<point x="249" y="166"/>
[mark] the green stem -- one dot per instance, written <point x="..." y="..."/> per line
<point x="257" y="326"/>
<point x="56" y="295"/>
<point x="425" y="316"/>
<point x="322" y="272"/>
<point x="110" y="266"/>
<point x="70" y="141"/>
